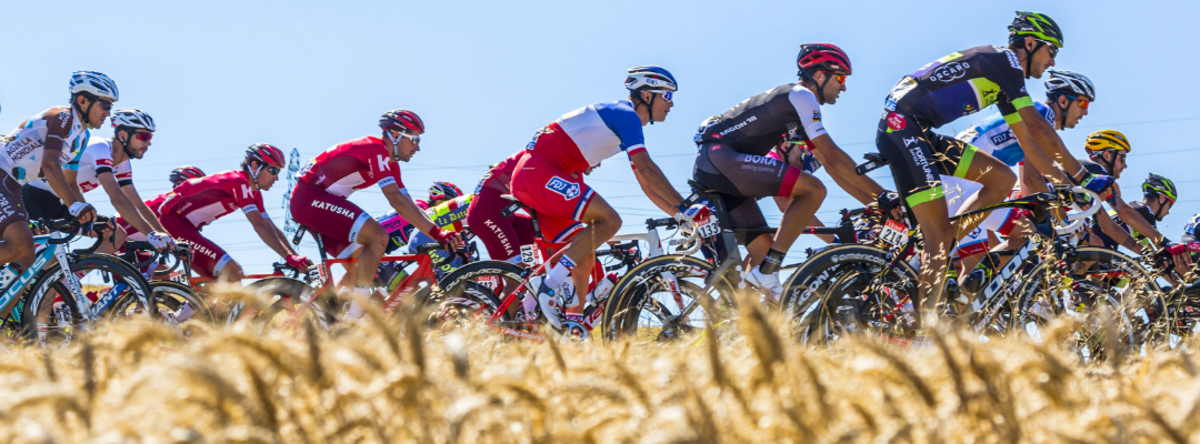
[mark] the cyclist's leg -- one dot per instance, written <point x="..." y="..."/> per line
<point x="345" y="229"/>
<point x="916" y="169"/>
<point x="208" y="259"/>
<point x="498" y="233"/>
<point x="995" y="178"/>
<point x="17" y="244"/>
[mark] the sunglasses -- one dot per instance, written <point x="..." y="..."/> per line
<point x="841" y="78"/>
<point x="414" y="138"/>
<point x="105" y="104"/>
<point x="666" y="95"/>
<point x="143" y="136"/>
<point x="1050" y="47"/>
<point x="273" y="170"/>
<point x="1083" y="103"/>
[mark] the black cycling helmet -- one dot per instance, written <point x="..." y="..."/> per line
<point x="1041" y="27"/>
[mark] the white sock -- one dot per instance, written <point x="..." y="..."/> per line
<point x="560" y="272"/>
<point x="358" y="297"/>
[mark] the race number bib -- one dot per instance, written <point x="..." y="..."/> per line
<point x="894" y="233"/>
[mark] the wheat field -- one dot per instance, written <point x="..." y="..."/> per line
<point x="389" y="381"/>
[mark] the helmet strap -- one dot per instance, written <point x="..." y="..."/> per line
<point x="1108" y="166"/>
<point x="1037" y="45"/>
<point x="650" y="106"/>
<point x="254" y="174"/>
<point x="84" y="112"/>
<point x="1061" y="121"/>
<point x="808" y="78"/>
<point x="125" y="143"/>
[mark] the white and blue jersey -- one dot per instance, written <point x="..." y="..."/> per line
<point x="593" y="133"/>
<point x="993" y="136"/>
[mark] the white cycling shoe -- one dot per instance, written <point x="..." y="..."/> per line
<point x="551" y="305"/>
<point x="768" y="283"/>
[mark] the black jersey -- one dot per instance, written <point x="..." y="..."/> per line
<point x="788" y="112"/>
<point x="961" y="84"/>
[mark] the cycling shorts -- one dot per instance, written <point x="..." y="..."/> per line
<point x="1000" y="221"/>
<point x="336" y="219"/>
<point x="502" y="236"/>
<point x="558" y="199"/>
<point x="720" y="167"/>
<point x="918" y="156"/>
<point x="11" y="208"/>
<point x="43" y="205"/>
<point x="207" y="258"/>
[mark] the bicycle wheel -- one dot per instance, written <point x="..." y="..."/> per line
<point x="51" y="313"/>
<point x="1109" y="293"/>
<point x="281" y="298"/>
<point x="175" y="302"/>
<point x="472" y="294"/>
<point x="851" y="289"/>
<point x="664" y="297"/>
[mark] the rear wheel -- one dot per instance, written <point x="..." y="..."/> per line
<point x="51" y="312"/>
<point x="666" y="297"/>
<point x="473" y="292"/>
<point x="284" y="304"/>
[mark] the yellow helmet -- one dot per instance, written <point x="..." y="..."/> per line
<point x="1107" y="140"/>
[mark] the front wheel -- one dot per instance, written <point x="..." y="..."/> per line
<point x="52" y="312"/>
<point x="666" y="297"/>
<point x="176" y="304"/>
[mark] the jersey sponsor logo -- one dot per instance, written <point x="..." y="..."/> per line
<point x="908" y="141"/>
<point x="1012" y="60"/>
<point x="563" y="187"/>
<point x="246" y="192"/>
<point x="533" y="143"/>
<point x="988" y="95"/>
<point x="1001" y="138"/>
<point x="969" y="108"/>
<point x="756" y="159"/>
<point x="739" y="125"/>
<point x="104" y="162"/>
<point x="896" y="122"/>
<point x="816" y="116"/>
<point x="950" y="72"/>
<point x="197" y="248"/>
<point x="333" y="208"/>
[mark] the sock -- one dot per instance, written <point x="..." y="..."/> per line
<point x="772" y="262"/>
<point x="358" y="296"/>
<point x="560" y="272"/>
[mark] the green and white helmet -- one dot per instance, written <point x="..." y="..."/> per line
<point x="1036" y="25"/>
<point x="1156" y="184"/>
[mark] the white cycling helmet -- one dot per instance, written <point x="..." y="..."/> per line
<point x="132" y="118"/>
<point x="94" y="83"/>
<point x="1071" y="83"/>
<point x="650" y="77"/>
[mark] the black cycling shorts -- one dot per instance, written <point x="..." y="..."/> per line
<point x="918" y="156"/>
<point x="43" y="205"/>
<point x="11" y="209"/>
<point x="740" y="179"/>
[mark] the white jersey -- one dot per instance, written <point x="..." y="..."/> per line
<point x="89" y="163"/>
<point x="22" y="155"/>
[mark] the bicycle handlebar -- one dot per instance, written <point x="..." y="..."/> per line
<point x="1076" y="219"/>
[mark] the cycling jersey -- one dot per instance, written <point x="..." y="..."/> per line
<point x="132" y="233"/>
<point x="352" y="166"/>
<point x="758" y="124"/>
<point x="89" y="163"/>
<point x="954" y="86"/>
<point x="398" y="228"/>
<point x="1189" y="230"/>
<point x="993" y="136"/>
<point x="22" y="155"/>
<point x="202" y="201"/>
<point x="499" y="176"/>
<point x="583" y="138"/>
<point x="1141" y="209"/>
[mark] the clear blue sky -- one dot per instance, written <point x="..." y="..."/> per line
<point x="220" y="75"/>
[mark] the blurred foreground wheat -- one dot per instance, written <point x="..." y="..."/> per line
<point x="383" y="382"/>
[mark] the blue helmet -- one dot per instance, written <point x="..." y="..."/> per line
<point x="650" y="77"/>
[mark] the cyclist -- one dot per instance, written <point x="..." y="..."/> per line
<point x="319" y="199"/>
<point x="106" y="163"/>
<point x="199" y="202"/>
<point x="501" y="236"/>
<point x="954" y="86"/>
<point x="177" y="177"/>
<point x="400" y="230"/>
<point x="38" y="147"/>
<point x="734" y="158"/>
<point x="1068" y="96"/>
<point x="549" y="179"/>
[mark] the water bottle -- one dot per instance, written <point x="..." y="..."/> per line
<point x="600" y="293"/>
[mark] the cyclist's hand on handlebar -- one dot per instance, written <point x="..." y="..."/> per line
<point x="449" y="239"/>
<point x="697" y="214"/>
<point x="1099" y="184"/>
<point x="890" y="201"/>
<point x="160" y="241"/>
<point x="83" y="212"/>
<point x="298" y="262"/>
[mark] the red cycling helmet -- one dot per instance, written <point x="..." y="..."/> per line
<point x="822" y="57"/>
<point x="185" y="173"/>
<point x="266" y="154"/>
<point x="401" y="120"/>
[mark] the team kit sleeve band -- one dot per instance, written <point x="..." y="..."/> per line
<point x="919" y="197"/>
<point x="964" y="163"/>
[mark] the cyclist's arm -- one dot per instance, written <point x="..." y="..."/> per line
<point x="121" y="202"/>
<point x="841" y="168"/>
<point x="1032" y="180"/>
<point x="266" y="231"/>
<point x="408" y="209"/>
<point x="1043" y="148"/>
<point x="282" y="237"/>
<point x="1116" y="233"/>
<point x="658" y="200"/>
<point x="651" y="177"/>
<point x="143" y="210"/>
<point x="1135" y="220"/>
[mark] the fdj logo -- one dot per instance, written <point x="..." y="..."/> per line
<point x="566" y="189"/>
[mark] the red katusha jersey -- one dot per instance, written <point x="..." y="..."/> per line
<point x="204" y="200"/>
<point x="352" y="166"/>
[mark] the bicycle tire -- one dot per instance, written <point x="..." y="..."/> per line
<point x="464" y="299"/>
<point x="283" y="295"/>
<point x="169" y="296"/>
<point x="823" y="300"/>
<point x="1057" y="294"/>
<point x="633" y="293"/>
<point x="39" y="303"/>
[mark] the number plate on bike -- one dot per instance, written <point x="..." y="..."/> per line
<point x="894" y="233"/>
<point x="710" y="229"/>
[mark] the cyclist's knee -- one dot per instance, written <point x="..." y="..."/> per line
<point x="373" y="235"/>
<point x="809" y="186"/>
<point x="232" y="272"/>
